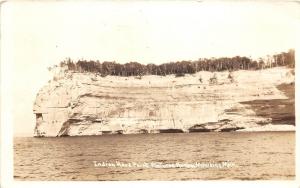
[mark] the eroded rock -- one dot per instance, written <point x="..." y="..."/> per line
<point x="87" y="104"/>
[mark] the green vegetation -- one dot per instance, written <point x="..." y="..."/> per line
<point x="181" y="67"/>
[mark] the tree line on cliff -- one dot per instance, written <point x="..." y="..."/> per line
<point x="181" y="67"/>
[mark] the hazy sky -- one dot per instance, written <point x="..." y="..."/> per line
<point x="43" y="34"/>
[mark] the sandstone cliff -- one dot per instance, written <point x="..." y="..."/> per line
<point x="88" y="104"/>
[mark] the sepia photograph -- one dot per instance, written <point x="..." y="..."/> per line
<point x="149" y="90"/>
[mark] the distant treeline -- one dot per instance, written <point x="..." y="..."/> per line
<point x="181" y="67"/>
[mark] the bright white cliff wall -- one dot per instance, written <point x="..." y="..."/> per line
<point x="87" y="104"/>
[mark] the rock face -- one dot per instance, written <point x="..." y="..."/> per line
<point x="88" y="104"/>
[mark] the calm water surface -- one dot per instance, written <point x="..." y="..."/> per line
<point x="262" y="155"/>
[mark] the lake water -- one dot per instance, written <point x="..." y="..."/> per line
<point x="251" y="156"/>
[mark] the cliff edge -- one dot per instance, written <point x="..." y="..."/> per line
<point x="87" y="104"/>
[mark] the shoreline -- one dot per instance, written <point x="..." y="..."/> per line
<point x="239" y="132"/>
<point x="209" y="132"/>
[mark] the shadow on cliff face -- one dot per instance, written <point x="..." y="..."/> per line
<point x="281" y="111"/>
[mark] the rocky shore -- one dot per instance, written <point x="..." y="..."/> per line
<point x="74" y="104"/>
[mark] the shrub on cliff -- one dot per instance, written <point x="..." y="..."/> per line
<point x="200" y="79"/>
<point x="213" y="79"/>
